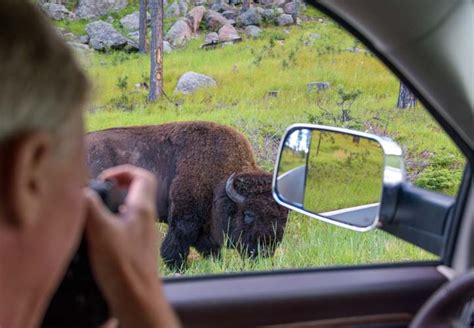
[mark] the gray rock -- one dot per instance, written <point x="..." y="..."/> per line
<point x="267" y="3"/>
<point x="173" y="10"/>
<point x="57" y="11"/>
<point x="200" y="2"/>
<point x="179" y="34"/>
<point x="318" y="86"/>
<point x="249" y="17"/>
<point x="228" y="33"/>
<point x="279" y="11"/>
<point x="167" y="47"/>
<point x="269" y="15"/>
<point x="253" y="31"/>
<point x="314" y="36"/>
<point x="135" y="36"/>
<point x="211" y="38"/>
<point x="183" y="7"/>
<point x="231" y="22"/>
<point x="84" y="39"/>
<point x="78" y="46"/>
<point x="190" y="82"/>
<point x="132" y="21"/>
<point x="110" y="19"/>
<point x="291" y="8"/>
<point x="229" y="14"/>
<point x="214" y="20"/>
<point x="284" y="20"/>
<point x="235" y="2"/>
<point x="103" y="36"/>
<point x="95" y="8"/>
<point x="222" y="7"/>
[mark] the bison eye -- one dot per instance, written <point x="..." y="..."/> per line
<point x="249" y="217"/>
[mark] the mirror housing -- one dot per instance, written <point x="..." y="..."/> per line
<point x="340" y="176"/>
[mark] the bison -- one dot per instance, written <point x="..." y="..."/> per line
<point x="209" y="186"/>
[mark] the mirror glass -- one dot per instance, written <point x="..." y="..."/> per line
<point x="333" y="175"/>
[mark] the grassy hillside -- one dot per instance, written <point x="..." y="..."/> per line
<point x="283" y="60"/>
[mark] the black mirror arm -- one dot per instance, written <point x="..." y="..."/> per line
<point x="416" y="215"/>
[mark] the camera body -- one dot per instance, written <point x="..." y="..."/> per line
<point x="78" y="301"/>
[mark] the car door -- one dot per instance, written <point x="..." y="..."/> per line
<point x="387" y="294"/>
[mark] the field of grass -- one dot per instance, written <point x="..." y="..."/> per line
<point x="342" y="173"/>
<point x="281" y="60"/>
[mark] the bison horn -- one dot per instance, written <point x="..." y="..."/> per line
<point x="231" y="192"/>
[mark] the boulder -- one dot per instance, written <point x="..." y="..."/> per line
<point x="194" y="17"/>
<point x="190" y="82"/>
<point x="173" y="10"/>
<point x="84" y="39"/>
<point x="228" y="33"/>
<point x="266" y="3"/>
<point x="284" y="20"/>
<point x="167" y="47"/>
<point x="269" y="15"/>
<point x="131" y="22"/>
<point x="253" y="31"/>
<point x="183" y="7"/>
<point x="103" y="36"/>
<point x="249" y="17"/>
<point x="57" y="11"/>
<point x="95" y="8"/>
<point x="318" y="86"/>
<point x="214" y="20"/>
<point x="211" y="38"/>
<point x="200" y="2"/>
<point x="222" y="7"/>
<point x="291" y="8"/>
<point x="179" y="34"/>
<point x="230" y="14"/>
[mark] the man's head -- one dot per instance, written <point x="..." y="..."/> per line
<point x="42" y="170"/>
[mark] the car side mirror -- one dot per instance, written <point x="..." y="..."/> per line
<point x="337" y="175"/>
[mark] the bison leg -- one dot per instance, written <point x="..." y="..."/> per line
<point x="207" y="246"/>
<point x="182" y="233"/>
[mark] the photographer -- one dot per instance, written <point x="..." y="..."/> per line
<point x="44" y="205"/>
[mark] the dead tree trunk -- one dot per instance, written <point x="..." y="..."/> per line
<point x="406" y="99"/>
<point x="142" y="30"/>
<point x="156" y="71"/>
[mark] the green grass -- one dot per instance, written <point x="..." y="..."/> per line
<point x="246" y="72"/>
<point x="342" y="173"/>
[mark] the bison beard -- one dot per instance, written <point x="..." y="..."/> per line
<point x="209" y="186"/>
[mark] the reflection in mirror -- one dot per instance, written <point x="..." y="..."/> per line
<point x="334" y="175"/>
<point x="292" y="169"/>
<point x="344" y="177"/>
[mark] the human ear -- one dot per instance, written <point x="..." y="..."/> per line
<point x="24" y="177"/>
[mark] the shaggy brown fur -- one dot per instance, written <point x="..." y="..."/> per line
<point x="192" y="162"/>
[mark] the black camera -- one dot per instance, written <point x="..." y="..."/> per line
<point x="78" y="301"/>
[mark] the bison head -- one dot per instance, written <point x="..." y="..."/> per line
<point x="253" y="222"/>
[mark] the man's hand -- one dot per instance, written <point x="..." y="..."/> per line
<point x="123" y="251"/>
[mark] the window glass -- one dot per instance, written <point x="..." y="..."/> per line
<point x="309" y="72"/>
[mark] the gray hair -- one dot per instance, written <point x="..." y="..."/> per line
<point x="41" y="84"/>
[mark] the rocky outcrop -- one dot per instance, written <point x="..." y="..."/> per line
<point x="285" y="20"/>
<point x="194" y="17"/>
<point x="94" y="8"/>
<point x="253" y="31"/>
<point x="228" y="33"/>
<point x="179" y="34"/>
<point x="57" y="11"/>
<point x="190" y="82"/>
<point x="131" y="22"/>
<point x="103" y="36"/>
<point x="214" y="20"/>
<point x="249" y="17"/>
